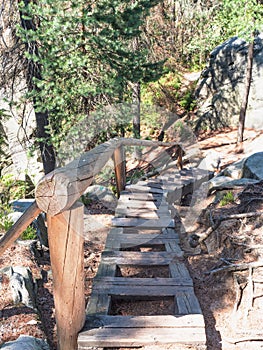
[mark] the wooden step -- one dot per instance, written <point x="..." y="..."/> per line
<point x="116" y="240"/>
<point x="141" y="213"/>
<point x="143" y="188"/>
<point x="154" y="197"/>
<point x="127" y="331"/>
<point x="143" y="223"/>
<point x="141" y="258"/>
<point x="140" y="204"/>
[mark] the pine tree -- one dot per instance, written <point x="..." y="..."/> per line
<point x="84" y="51"/>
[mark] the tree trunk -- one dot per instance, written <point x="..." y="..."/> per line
<point x="242" y="115"/>
<point x="137" y="117"/>
<point x="136" y="100"/>
<point x="42" y="121"/>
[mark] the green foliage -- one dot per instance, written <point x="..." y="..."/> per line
<point x="164" y="92"/>
<point x="86" y="54"/>
<point x="227" y="198"/>
<point x="28" y="234"/>
<point x="187" y="101"/>
<point x="135" y="175"/>
<point x="238" y="17"/>
<point x="187" y="31"/>
<point x="5" y="222"/>
<point x="12" y="189"/>
<point x="168" y="92"/>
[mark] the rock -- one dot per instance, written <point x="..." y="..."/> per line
<point x="19" y="206"/>
<point x="211" y="161"/>
<point x="103" y="194"/>
<point x="234" y="170"/>
<point x="14" y="216"/>
<point x="21" y="285"/>
<point x="224" y="182"/>
<point x="253" y="166"/>
<point x="221" y="86"/>
<point x="25" y="342"/>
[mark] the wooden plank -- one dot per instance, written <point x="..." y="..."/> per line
<point x="127" y="196"/>
<point x="106" y="270"/>
<point x="143" y="287"/>
<point x="151" y="237"/>
<point x="172" y="246"/>
<point x="134" y="337"/>
<point x="167" y="321"/>
<point x="141" y="230"/>
<point x="139" y="258"/>
<point x="99" y="304"/>
<point x="116" y="242"/>
<point x="179" y="271"/>
<point x="156" y="183"/>
<point x="145" y="188"/>
<point x="187" y="302"/>
<point x="66" y="246"/>
<point x="19" y="227"/>
<point x="143" y="223"/>
<point x="141" y="213"/>
<point x="141" y="204"/>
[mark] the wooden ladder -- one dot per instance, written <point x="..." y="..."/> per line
<point x="143" y="220"/>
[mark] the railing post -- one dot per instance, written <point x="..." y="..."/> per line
<point x="120" y="168"/>
<point x="180" y="157"/>
<point x="66" y="245"/>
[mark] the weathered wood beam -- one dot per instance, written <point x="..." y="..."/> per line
<point x="19" y="227"/>
<point x="61" y="188"/>
<point x="120" y="169"/>
<point x="66" y="245"/>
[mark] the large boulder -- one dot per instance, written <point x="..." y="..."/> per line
<point x="253" y="166"/>
<point x="222" y="84"/>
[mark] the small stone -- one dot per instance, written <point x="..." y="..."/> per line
<point x="32" y="322"/>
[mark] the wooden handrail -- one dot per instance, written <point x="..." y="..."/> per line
<point x="19" y="227"/>
<point x="61" y="188"/>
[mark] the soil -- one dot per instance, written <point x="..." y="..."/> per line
<point x="231" y="301"/>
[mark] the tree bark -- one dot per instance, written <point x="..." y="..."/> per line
<point x="42" y="118"/>
<point x="242" y="115"/>
<point x="137" y="117"/>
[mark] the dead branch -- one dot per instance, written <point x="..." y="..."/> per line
<point x="236" y="267"/>
<point x="244" y="339"/>
<point x="241" y="216"/>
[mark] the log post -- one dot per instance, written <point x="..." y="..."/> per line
<point x="66" y="245"/>
<point x="120" y="169"/>
<point x="180" y="157"/>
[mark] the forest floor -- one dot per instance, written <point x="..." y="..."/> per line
<point x="230" y="296"/>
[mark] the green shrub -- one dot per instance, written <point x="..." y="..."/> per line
<point x="227" y="198"/>
<point x="12" y="189"/>
<point x="29" y="233"/>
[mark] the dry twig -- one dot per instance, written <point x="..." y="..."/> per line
<point x="236" y="267"/>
